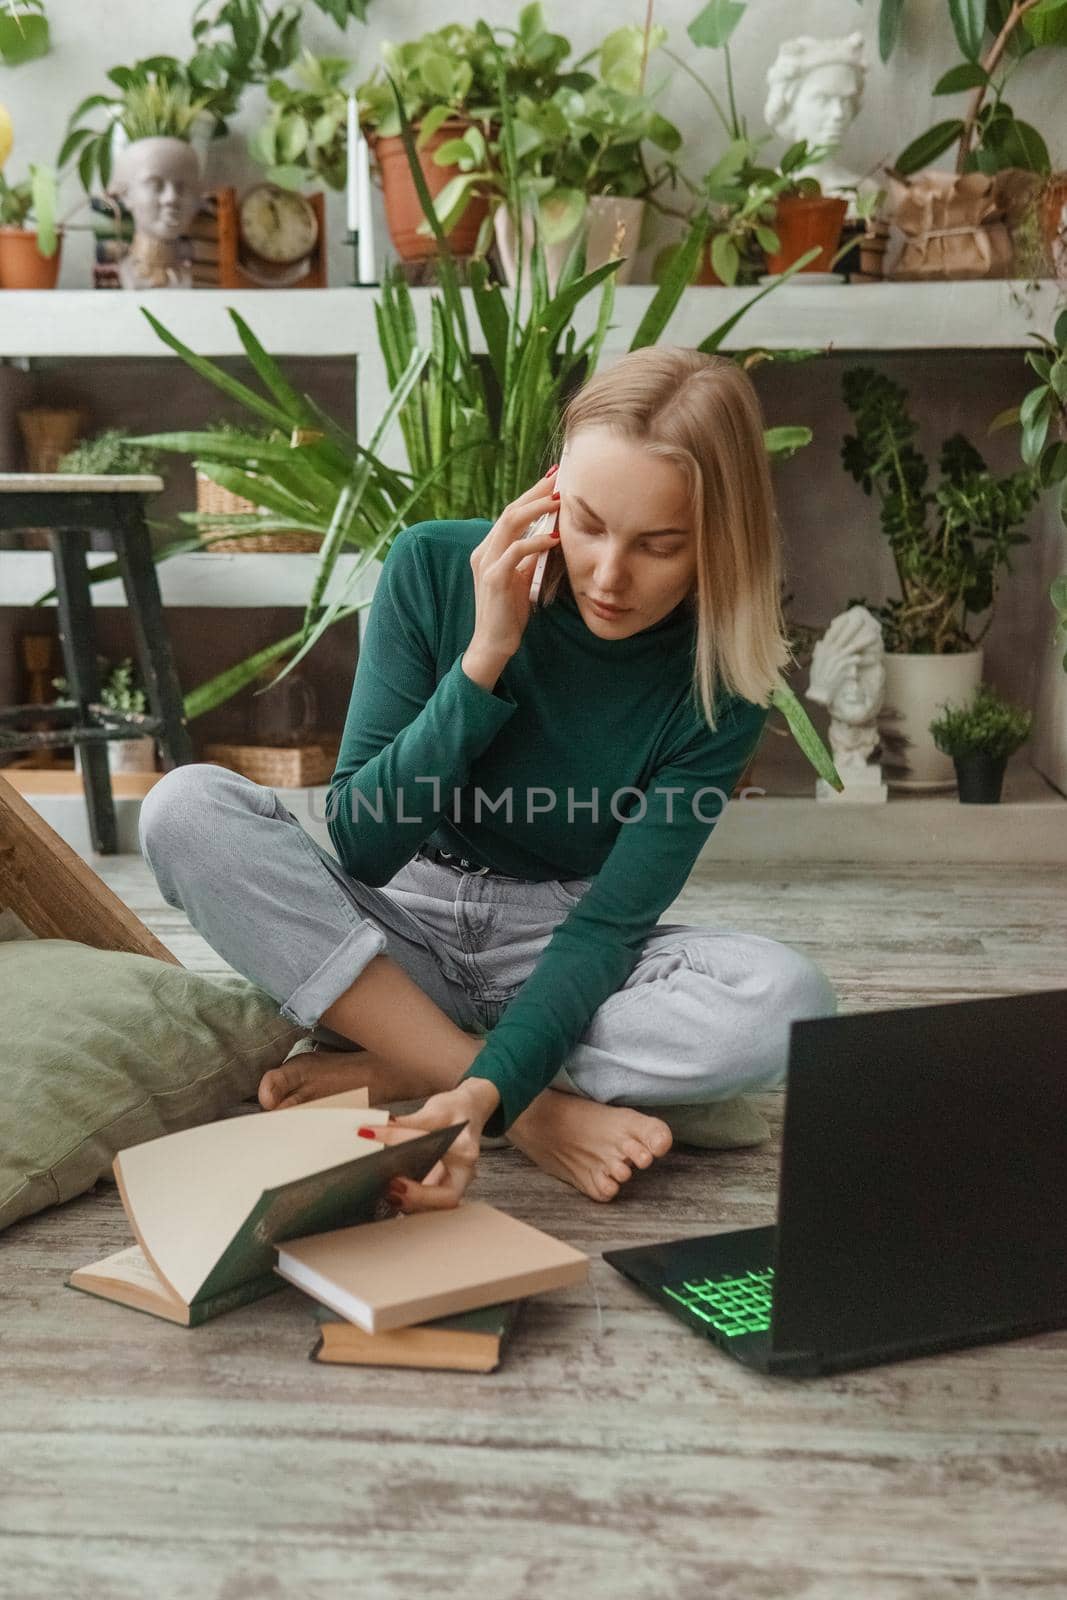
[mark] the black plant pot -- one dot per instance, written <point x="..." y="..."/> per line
<point x="980" y="777"/>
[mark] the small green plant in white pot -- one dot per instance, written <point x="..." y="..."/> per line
<point x="980" y="738"/>
<point x="949" y="545"/>
<point x="120" y="690"/>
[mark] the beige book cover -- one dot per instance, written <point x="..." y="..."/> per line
<point x="410" y="1269"/>
<point x="207" y="1204"/>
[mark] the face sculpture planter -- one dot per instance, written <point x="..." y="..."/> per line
<point x="159" y="182"/>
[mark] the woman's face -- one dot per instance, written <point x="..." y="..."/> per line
<point x="625" y="532"/>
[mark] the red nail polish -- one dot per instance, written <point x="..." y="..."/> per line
<point x="366" y="1133"/>
<point x="555" y="533"/>
<point x="553" y="468"/>
<point x="555" y="494"/>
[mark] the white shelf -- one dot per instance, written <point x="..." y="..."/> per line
<point x="209" y="579"/>
<point x="995" y="314"/>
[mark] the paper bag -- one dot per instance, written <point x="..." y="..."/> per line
<point x="954" y="224"/>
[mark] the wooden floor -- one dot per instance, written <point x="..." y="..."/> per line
<point x="614" y="1453"/>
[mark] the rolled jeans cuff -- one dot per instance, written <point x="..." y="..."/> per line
<point x="336" y="974"/>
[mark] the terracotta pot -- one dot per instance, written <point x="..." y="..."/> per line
<point x="707" y="274"/>
<point x="1054" y="223"/>
<point x="916" y="686"/>
<point x="403" y="212"/>
<point x="802" y="221"/>
<point x="22" y="266"/>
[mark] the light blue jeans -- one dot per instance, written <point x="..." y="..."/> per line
<point x="704" y="1015"/>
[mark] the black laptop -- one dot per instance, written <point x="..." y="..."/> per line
<point x="922" y="1196"/>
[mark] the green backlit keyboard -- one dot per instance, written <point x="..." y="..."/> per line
<point x="731" y="1306"/>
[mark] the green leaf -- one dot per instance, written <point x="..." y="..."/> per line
<point x="968" y="22"/>
<point x="717" y="335"/>
<point x="1004" y="419"/>
<point x="785" y="441"/>
<point x="800" y="725"/>
<point x="968" y="75"/>
<point x="1033" y="438"/>
<point x="1047" y="22"/>
<point x="1052" y="467"/>
<point x="23" y="38"/>
<point x="768" y="239"/>
<point x="889" y="17"/>
<point x="1036" y="401"/>
<point x="221" y="380"/>
<point x="928" y="146"/>
<point x="716" y="23"/>
<point x="1059" y="331"/>
<point x="725" y="257"/>
<point x="676" y="279"/>
<point x="1058" y="379"/>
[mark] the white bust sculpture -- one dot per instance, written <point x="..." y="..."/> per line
<point x="848" y="676"/>
<point x="159" y="182"/>
<point x="814" y="91"/>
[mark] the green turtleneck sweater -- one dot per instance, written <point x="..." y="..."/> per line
<point x="573" y="719"/>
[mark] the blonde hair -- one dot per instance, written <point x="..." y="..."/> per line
<point x="701" y="412"/>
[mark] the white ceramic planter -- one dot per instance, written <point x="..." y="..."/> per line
<point x="604" y="215"/>
<point x="916" y="688"/>
<point x="555" y="254"/>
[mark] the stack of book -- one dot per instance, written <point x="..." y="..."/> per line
<point x="233" y="1210"/>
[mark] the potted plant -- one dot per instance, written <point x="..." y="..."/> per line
<point x="29" y="256"/>
<point x="442" y="80"/>
<point x="581" y="167"/>
<point x="121" y="689"/>
<point x="949" y="545"/>
<point x="804" y="217"/>
<point x="980" y="738"/>
<point x="1042" y="416"/>
<point x="303" y="138"/>
<point x="111" y="451"/>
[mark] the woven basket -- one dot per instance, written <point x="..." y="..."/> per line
<point x="213" y="500"/>
<point x="48" y="432"/>
<point x="280" y="766"/>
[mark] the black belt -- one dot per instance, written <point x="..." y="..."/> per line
<point x="447" y="858"/>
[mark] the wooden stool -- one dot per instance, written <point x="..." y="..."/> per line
<point x="68" y="504"/>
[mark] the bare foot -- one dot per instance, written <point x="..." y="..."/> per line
<point x="319" y="1072"/>
<point x="591" y="1146"/>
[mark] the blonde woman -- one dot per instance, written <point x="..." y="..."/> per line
<point x="521" y="793"/>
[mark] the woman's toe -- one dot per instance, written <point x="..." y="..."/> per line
<point x="605" y="1185"/>
<point x="638" y="1153"/>
<point x="657" y="1136"/>
<point x="279" y="1085"/>
<point x="620" y="1170"/>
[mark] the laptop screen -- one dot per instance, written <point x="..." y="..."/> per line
<point x="924" y="1174"/>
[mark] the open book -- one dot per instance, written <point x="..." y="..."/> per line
<point x="431" y="1264"/>
<point x="207" y="1205"/>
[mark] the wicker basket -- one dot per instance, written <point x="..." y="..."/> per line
<point x="280" y="766"/>
<point x="212" y="499"/>
<point x="48" y="432"/>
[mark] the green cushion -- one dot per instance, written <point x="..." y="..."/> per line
<point x="103" y="1049"/>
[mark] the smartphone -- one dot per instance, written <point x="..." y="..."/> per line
<point x="542" y="525"/>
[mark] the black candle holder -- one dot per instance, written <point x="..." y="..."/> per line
<point x="352" y="239"/>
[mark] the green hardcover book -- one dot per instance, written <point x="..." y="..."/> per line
<point x="471" y="1341"/>
<point x="208" y="1205"/>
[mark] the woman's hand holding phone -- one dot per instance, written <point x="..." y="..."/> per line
<point x="502" y="565"/>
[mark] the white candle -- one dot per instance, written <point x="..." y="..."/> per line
<point x="366" y="272"/>
<point x="352" y="166"/>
